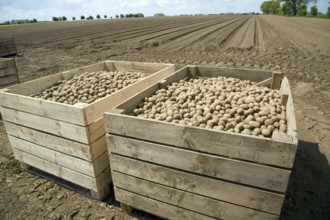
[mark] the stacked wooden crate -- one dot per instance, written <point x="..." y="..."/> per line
<point x="8" y="72"/>
<point x="183" y="172"/>
<point x="68" y="141"/>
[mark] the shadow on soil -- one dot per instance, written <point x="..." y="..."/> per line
<point x="308" y="193"/>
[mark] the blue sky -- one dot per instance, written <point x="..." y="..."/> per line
<point x="46" y="9"/>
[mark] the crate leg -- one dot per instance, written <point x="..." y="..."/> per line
<point x="102" y="193"/>
<point x="126" y="208"/>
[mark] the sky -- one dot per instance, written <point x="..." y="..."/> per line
<point x="44" y="10"/>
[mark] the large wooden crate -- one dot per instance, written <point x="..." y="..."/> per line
<point x="68" y="141"/>
<point x="183" y="172"/>
<point x="8" y="72"/>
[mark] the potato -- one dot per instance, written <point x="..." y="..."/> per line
<point x="219" y="103"/>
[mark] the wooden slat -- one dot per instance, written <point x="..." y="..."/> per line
<point x="96" y="130"/>
<point x="290" y="115"/>
<point x="8" y="85"/>
<point x="276" y="80"/>
<point x="155" y="207"/>
<point x="53" y="110"/>
<point x="182" y="199"/>
<point x="67" y="161"/>
<point x="52" y="142"/>
<point x="59" y="171"/>
<point x="197" y="184"/>
<point x="95" y="111"/>
<point x="8" y="71"/>
<point x="265" y="177"/>
<point x="5" y="80"/>
<point x="59" y="128"/>
<point x="260" y="150"/>
<point x="146" y="68"/>
<point x="266" y="82"/>
<point x="7" y="53"/>
<point x="6" y="62"/>
<point x="244" y="74"/>
<point x="37" y="85"/>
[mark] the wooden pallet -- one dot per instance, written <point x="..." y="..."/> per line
<point x="68" y="141"/>
<point x="8" y="73"/>
<point x="7" y="47"/>
<point x="184" y="172"/>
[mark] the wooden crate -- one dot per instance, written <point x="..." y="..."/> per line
<point x="7" y="47"/>
<point x="68" y="141"/>
<point x="183" y="172"/>
<point x="8" y="72"/>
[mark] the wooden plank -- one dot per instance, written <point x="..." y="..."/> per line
<point x="265" y="177"/>
<point x="59" y="128"/>
<point x="60" y="171"/>
<point x="37" y="85"/>
<point x="276" y="80"/>
<point x="8" y="86"/>
<point x="284" y="99"/>
<point x="96" y="130"/>
<point x="266" y="82"/>
<point x="6" y="62"/>
<point x="101" y="163"/>
<point x="67" y="161"/>
<point x="5" y="80"/>
<point x="7" y="53"/>
<point x="290" y="115"/>
<point x="53" y="110"/>
<point x="52" y="142"/>
<point x="256" y="149"/>
<point x="142" y="67"/>
<point x="244" y="74"/>
<point x="156" y="207"/>
<point x="8" y="71"/>
<point x="197" y="184"/>
<point x="179" y="198"/>
<point x="95" y="111"/>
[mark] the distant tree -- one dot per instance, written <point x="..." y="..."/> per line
<point x="105" y="16"/>
<point x="159" y="15"/>
<point x="294" y="4"/>
<point x="98" y="16"/>
<point x="73" y="18"/>
<point x="117" y="16"/>
<point x="328" y="12"/>
<point x="64" y="18"/>
<point x="140" y="15"/>
<point x="82" y="17"/>
<point x="270" y="7"/>
<point x="286" y="10"/>
<point x="122" y="15"/>
<point x="126" y="16"/>
<point x="34" y="20"/>
<point x="111" y="17"/>
<point x="314" y="11"/>
<point x="302" y="10"/>
<point x="55" y="19"/>
<point x="90" y="17"/>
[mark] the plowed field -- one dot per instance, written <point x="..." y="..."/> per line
<point x="300" y="47"/>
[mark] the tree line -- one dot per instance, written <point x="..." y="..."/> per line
<point x="290" y="7"/>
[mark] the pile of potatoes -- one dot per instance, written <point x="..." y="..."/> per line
<point x="89" y="87"/>
<point x="219" y="103"/>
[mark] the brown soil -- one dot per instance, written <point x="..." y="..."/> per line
<point x="299" y="47"/>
